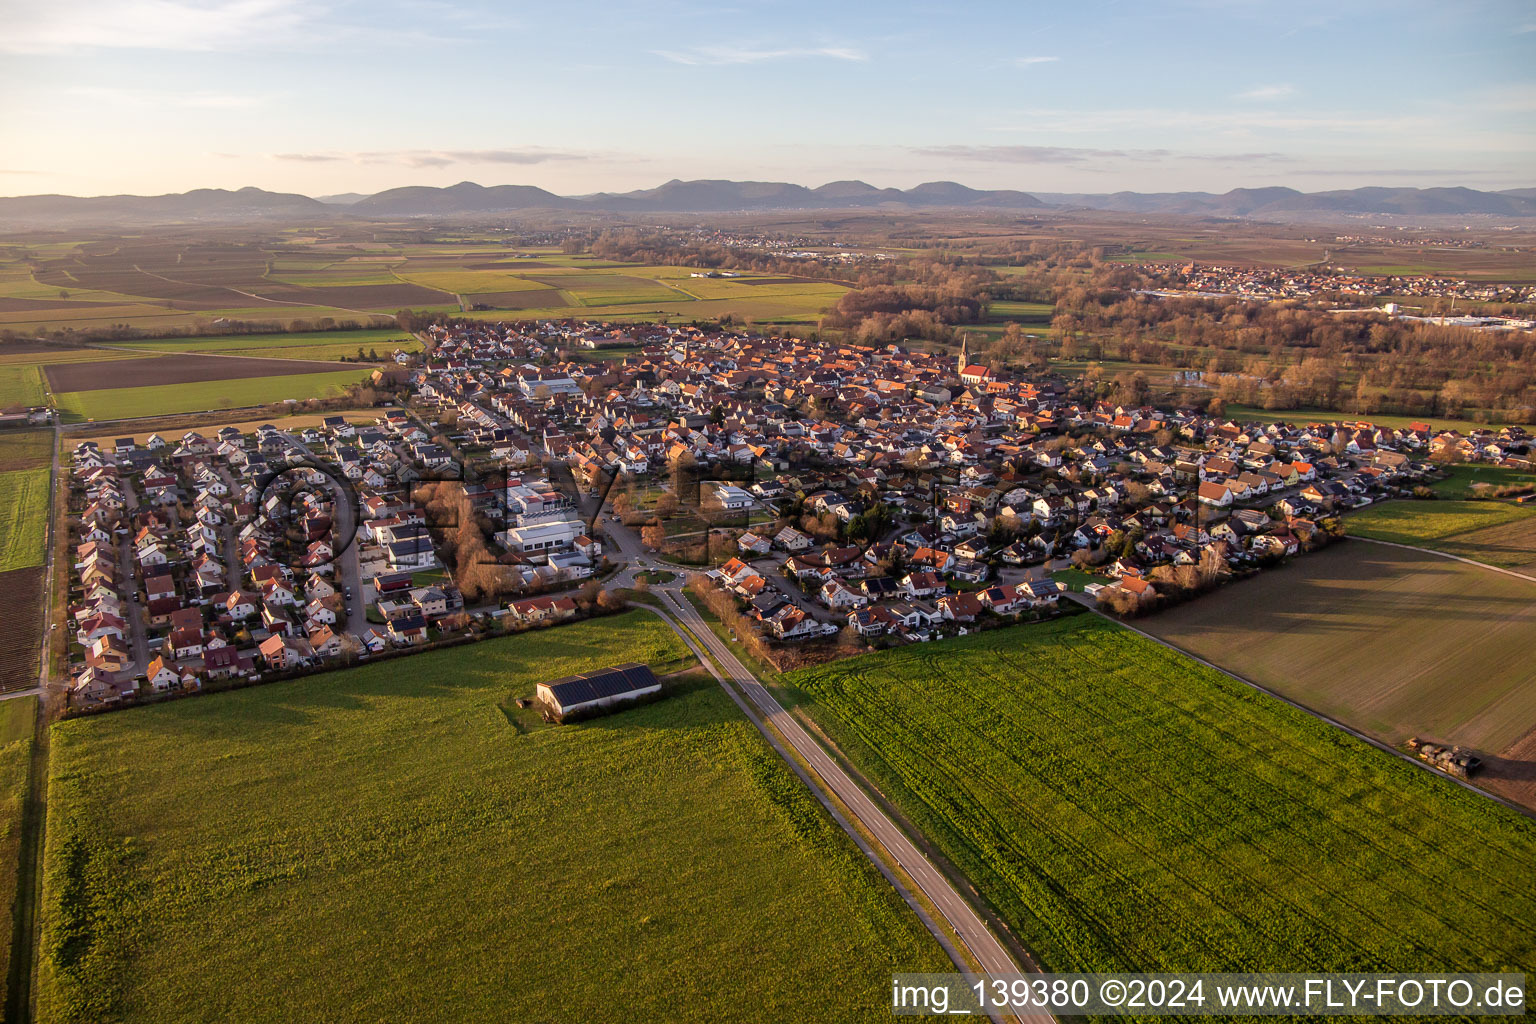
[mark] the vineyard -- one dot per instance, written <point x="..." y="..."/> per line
<point x="21" y="593"/>
<point x="1124" y="808"/>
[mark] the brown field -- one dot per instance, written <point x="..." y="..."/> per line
<point x="1393" y="642"/>
<point x="25" y="449"/>
<point x="533" y="298"/>
<point x="21" y="593"/>
<point x="1509" y="544"/>
<point x="8" y="305"/>
<point x="178" y="369"/>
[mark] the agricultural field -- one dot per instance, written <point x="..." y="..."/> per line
<point x="1464" y="478"/>
<point x="21" y="386"/>
<point x="17" y="726"/>
<point x="366" y="817"/>
<point x="23" y="517"/>
<point x="1125" y="808"/>
<point x="318" y="345"/>
<point x="161" y="399"/>
<point x="25" y="449"/>
<point x="1392" y="642"/>
<point x="21" y="594"/>
<point x="1496" y="532"/>
<point x="292" y="279"/>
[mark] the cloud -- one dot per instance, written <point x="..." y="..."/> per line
<point x="1529" y="26"/>
<point x="436" y="157"/>
<point x="722" y="55"/>
<point x="67" y="25"/>
<point x="1025" y="62"/>
<point x="1068" y="121"/>
<point x="1075" y="155"/>
<point x="5" y="171"/>
<point x="1267" y="92"/>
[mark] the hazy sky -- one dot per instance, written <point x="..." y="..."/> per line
<point x="324" y="96"/>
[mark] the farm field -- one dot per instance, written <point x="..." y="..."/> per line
<point x="170" y="370"/>
<point x="23" y="517"/>
<point x="17" y="725"/>
<point x="321" y="345"/>
<point x="1125" y="808"/>
<point x="156" y="400"/>
<point x="21" y="386"/>
<point x="1496" y="532"/>
<point x="25" y="449"/>
<point x="21" y="592"/>
<point x="460" y="857"/>
<point x="177" y="283"/>
<point x="1395" y="643"/>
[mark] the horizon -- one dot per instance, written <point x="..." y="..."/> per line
<point x="763" y="181"/>
<point x="1195" y="96"/>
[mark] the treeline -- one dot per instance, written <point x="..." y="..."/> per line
<point x="1287" y="355"/>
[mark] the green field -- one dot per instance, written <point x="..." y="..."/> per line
<point x="1124" y="808"/>
<point x="17" y="718"/>
<point x="399" y="842"/>
<point x="126" y="403"/>
<point x="323" y="345"/>
<point x="1251" y="413"/>
<point x="1496" y="532"/>
<point x="25" y="449"/>
<point x="21" y="384"/>
<point x="23" y="517"/>
<point x="1464" y="476"/>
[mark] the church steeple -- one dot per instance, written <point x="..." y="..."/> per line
<point x="961" y="361"/>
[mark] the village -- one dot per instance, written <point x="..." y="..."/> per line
<point x="823" y="492"/>
<point x="1214" y="280"/>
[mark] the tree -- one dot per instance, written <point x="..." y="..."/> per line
<point x="653" y="535"/>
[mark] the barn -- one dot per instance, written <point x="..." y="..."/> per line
<point x="604" y="688"/>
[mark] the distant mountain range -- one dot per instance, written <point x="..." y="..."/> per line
<point x="470" y="199"/>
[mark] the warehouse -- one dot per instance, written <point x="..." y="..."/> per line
<point x="591" y="691"/>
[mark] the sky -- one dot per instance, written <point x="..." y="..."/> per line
<point x="321" y="97"/>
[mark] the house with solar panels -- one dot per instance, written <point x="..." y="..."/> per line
<point x="604" y="690"/>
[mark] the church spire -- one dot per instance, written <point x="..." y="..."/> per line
<point x="961" y="361"/>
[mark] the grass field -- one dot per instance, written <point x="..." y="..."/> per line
<point x="21" y="384"/>
<point x="1249" y="413"/>
<point x="1394" y="642"/>
<point x="1497" y="532"/>
<point x="221" y="858"/>
<point x="1124" y="808"/>
<point x="125" y="403"/>
<point x="1463" y="477"/>
<point x="23" y="517"/>
<point x="300" y="345"/>
<point x="17" y="719"/>
<point x="25" y="449"/>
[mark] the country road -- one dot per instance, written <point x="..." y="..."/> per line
<point x="983" y="946"/>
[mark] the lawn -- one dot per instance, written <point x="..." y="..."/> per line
<point x="237" y="392"/>
<point x="1125" y="808"/>
<point x="23" y="517"/>
<point x="1464" y="476"/>
<point x="1393" y="642"/>
<point x="400" y="842"/>
<point x="1497" y="532"/>
<point x="17" y="719"/>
